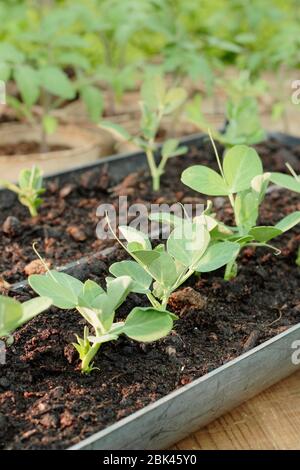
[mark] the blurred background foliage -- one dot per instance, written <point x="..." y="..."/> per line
<point x="113" y="44"/>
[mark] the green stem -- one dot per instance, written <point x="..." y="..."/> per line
<point x="231" y="270"/>
<point x="156" y="182"/>
<point x="153" y="168"/>
<point x="294" y="174"/>
<point x="217" y="155"/>
<point x="45" y="100"/>
<point x="33" y="211"/>
<point x="165" y="302"/>
<point x="85" y="364"/>
<point x="231" y="199"/>
<point x="153" y="301"/>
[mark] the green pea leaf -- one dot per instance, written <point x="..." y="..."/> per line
<point x="264" y="233"/>
<point x="289" y="222"/>
<point x="218" y="255"/>
<point x="13" y="314"/>
<point x="141" y="279"/>
<point x="246" y="210"/>
<point x="91" y="290"/>
<point x="147" y="324"/>
<point x="10" y="315"/>
<point x="33" y="307"/>
<point x="132" y="235"/>
<point x="117" y="291"/>
<point x="188" y="243"/>
<point x="205" y="181"/>
<point x="286" y="181"/>
<point x="32" y="178"/>
<point x="163" y="269"/>
<point x="166" y="218"/>
<point x="63" y="289"/>
<point x="102" y="339"/>
<point x="146" y="257"/>
<point x="241" y="164"/>
<point x="207" y="221"/>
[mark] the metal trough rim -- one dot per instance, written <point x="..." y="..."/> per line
<point x="89" y="441"/>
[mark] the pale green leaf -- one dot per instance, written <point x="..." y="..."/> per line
<point x="204" y="180"/>
<point x="117" y="291"/>
<point x="103" y="338"/>
<point x="32" y="178"/>
<point x="33" y="307"/>
<point x="146" y="257"/>
<point x="286" y="181"/>
<point x="141" y="279"/>
<point x="289" y="221"/>
<point x="188" y="243"/>
<point x="147" y="324"/>
<point x="163" y="269"/>
<point x="241" y="164"/>
<point x="91" y="290"/>
<point x="166" y="218"/>
<point x="218" y="255"/>
<point x="207" y="221"/>
<point x="62" y="288"/>
<point x="264" y="233"/>
<point x="10" y="315"/>
<point x="132" y="235"/>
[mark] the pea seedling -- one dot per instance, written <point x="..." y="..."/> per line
<point x="291" y="182"/>
<point x="187" y="250"/>
<point x="98" y="308"/>
<point x="157" y="102"/>
<point x="14" y="314"/>
<point x="243" y="124"/>
<point x="29" y="188"/>
<point x="242" y="180"/>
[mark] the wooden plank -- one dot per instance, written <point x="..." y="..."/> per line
<point x="268" y="421"/>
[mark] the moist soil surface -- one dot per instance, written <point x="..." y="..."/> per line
<point x="65" y="228"/>
<point x="45" y="402"/>
<point x="26" y="148"/>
